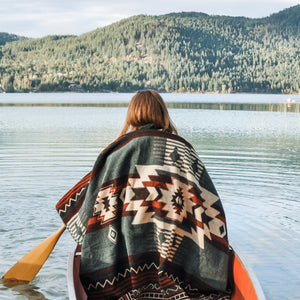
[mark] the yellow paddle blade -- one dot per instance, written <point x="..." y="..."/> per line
<point x="28" y="266"/>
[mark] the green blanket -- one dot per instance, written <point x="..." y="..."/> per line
<point x="149" y="220"/>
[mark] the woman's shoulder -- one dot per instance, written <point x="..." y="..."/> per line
<point x="149" y="133"/>
<point x="144" y="136"/>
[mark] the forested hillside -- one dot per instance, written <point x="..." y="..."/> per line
<point x="178" y="52"/>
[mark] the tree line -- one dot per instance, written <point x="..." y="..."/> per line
<point x="177" y="52"/>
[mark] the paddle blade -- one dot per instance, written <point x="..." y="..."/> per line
<point x="28" y="266"/>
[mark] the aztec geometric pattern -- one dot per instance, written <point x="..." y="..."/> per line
<point x="152" y="196"/>
<point x="150" y="222"/>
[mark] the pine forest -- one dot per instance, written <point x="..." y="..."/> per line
<point x="177" y="52"/>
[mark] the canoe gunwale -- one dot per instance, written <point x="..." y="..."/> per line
<point x="256" y="290"/>
<point x="75" y="288"/>
<point x="71" y="287"/>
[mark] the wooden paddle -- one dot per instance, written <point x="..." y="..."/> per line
<point x="28" y="266"/>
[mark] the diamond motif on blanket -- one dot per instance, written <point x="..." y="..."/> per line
<point x="112" y="234"/>
<point x="195" y="166"/>
<point x="178" y="201"/>
<point x="174" y="155"/>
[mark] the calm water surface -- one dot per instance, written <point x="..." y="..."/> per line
<point x="252" y="157"/>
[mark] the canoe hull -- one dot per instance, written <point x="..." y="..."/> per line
<point x="246" y="284"/>
<point x="76" y="290"/>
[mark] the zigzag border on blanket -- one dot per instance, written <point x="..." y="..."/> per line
<point x="117" y="278"/>
<point x="156" y="286"/>
<point x="69" y="204"/>
<point x="142" y="294"/>
<point x="151" y="296"/>
<point x="176" y="279"/>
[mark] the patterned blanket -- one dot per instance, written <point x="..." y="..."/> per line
<point x="149" y="220"/>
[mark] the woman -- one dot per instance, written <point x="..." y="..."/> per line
<point x="148" y="217"/>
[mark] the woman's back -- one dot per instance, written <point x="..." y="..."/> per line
<point x="149" y="220"/>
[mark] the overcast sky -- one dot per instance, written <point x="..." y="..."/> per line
<point x="38" y="18"/>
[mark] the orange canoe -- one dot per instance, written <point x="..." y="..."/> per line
<point x="246" y="285"/>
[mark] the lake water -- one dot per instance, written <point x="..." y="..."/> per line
<point x="253" y="158"/>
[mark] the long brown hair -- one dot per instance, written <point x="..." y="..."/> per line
<point x="147" y="107"/>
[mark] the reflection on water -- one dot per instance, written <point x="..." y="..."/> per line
<point x="75" y="98"/>
<point x="23" y="289"/>
<point x="252" y="157"/>
<point x="271" y="107"/>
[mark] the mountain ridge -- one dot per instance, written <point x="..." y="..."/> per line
<point x="176" y="52"/>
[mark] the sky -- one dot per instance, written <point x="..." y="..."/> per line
<point x="39" y="18"/>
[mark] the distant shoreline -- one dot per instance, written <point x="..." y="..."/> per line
<point x="133" y="91"/>
<point x="274" y="107"/>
